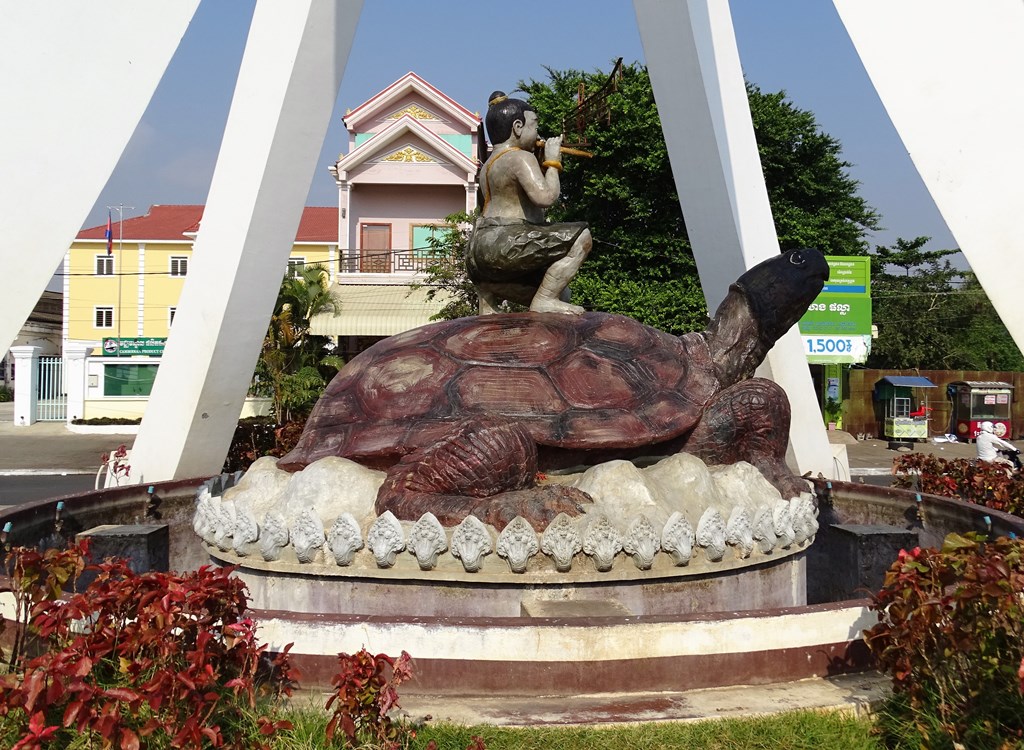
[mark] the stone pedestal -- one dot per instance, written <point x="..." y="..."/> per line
<point x="144" y="546"/>
<point x="861" y="554"/>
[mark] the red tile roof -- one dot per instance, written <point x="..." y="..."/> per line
<point x="318" y="224"/>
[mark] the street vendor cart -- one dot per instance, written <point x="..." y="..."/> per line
<point x="977" y="401"/>
<point x="904" y="406"/>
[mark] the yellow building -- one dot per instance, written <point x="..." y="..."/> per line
<point x="120" y="297"/>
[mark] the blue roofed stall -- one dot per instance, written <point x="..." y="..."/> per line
<point x="905" y="406"/>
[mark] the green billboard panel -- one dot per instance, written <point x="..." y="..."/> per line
<point x="837" y="315"/>
<point x="848" y="275"/>
<point x="134" y="347"/>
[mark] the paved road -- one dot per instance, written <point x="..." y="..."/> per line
<point x="15" y="490"/>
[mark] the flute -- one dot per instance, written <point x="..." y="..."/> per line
<point x="569" y="151"/>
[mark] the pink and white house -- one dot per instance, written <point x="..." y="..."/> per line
<point x="413" y="157"/>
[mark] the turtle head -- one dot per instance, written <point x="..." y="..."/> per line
<point x="761" y="306"/>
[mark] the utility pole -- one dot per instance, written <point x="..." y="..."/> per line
<point x="120" y="207"/>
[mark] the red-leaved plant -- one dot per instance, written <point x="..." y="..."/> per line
<point x="978" y="482"/>
<point x="951" y="634"/>
<point x="153" y="659"/>
<point x="365" y="692"/>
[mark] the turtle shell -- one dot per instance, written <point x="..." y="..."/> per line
<point x="578" y="382"/>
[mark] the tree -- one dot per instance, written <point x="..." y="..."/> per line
<point x="642" y="264"/>
<point x="446" y="268"/>
<point x="932" y="315"/>
<point x="293" y="363"/>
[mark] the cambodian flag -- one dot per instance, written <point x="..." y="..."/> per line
<point x="109" y="234"/>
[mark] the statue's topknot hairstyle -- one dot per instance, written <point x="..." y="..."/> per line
<point x="501" y="113"/>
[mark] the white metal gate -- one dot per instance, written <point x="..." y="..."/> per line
<point x="52" y="405"/>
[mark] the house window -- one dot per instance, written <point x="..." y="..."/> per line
<point x="104" y="317"/>
<point x="104" y="265"/>
<point x="170" y="315"/>
<point x="421" y="236"/>
<point x="375" y="248"/>
<point x="179" y="265"/>
<point x="128" y="379"/>
<point x="295" y="266"/>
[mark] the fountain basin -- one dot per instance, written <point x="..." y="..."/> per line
<point x="564" y="637"/>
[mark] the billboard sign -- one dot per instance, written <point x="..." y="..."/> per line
<point x="837" y="326"/>
<point x="133" y="347"/>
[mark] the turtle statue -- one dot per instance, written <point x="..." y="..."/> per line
<point x="463" y="414"/>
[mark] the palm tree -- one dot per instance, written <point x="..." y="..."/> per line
<point x="294" y="362"/>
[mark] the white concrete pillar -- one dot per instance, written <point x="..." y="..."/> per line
<point x="949" y="75"/>
<point x="100" y="63"/>
<point x="691" y="54"/>
<point x="74" y="376"/>
<point x="26" y="384"/>
<point x="287" y="86"/>
<point x="345" y="250"/>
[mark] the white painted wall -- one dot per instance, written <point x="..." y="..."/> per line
<point x="949" y="74"/>
<point x="698" y="84"/>
<point x="76" y="81"/>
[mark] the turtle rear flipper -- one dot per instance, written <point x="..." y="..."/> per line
<point x="485" y="466"/>
<point x="749" y="421"/>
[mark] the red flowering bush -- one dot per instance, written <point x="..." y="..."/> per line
<point x="951" y="634"/>
<point x="153" y="660"/>
<point x="976" y="482"/>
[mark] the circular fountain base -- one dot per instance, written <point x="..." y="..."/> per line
<point x="761" y="582"/>
<point x="555" y="645"/>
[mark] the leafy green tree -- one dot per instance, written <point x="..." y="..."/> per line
<point x="642" y="264"/>
<point x="932" y="315"/>
<point x="446" y="268"/>
<point x="294" y="364"/>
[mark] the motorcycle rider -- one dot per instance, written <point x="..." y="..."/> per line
<point x="988" y="444"/>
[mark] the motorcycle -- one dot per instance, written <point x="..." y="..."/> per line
<point x="1012" y="456"/>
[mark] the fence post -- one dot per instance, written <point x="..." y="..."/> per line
<point x="26" y="383"/>
<point x="74" y="378"/>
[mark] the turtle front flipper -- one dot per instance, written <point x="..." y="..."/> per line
<point x="748" y="421"/>
<point x="485" y="466"/>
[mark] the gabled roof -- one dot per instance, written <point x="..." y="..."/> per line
<point x="179" y="224"/>
<point x="379" y="103"/>
<point x="403" y="126"/>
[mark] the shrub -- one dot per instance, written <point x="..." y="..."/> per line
<point x="260" y="436"/>
<point x="951" y="634"/>
<point x="365" y="692"/>
<point x="156" y="659"/>
<point x="6" y="394"/>
<point x="978" y="482"/>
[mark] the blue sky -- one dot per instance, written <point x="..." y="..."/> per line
<point x="467" y="50"/>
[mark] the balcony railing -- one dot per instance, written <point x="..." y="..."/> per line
<point x="389" y="261"/>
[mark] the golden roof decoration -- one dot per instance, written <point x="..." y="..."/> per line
<point x="408" y="154"/>
<point x="414" y="111"/>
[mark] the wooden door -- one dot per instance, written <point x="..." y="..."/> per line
<point x="375" y="248"/>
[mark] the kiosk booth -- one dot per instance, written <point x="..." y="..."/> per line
<point x="905" y="412"/>
<point x="977" y="401"/>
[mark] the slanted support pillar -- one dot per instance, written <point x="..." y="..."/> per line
<point x="287" y="86"/>
<point x="948" y="74"/>
<point x="702" y="101"/>
<point x="26" y="384"/>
